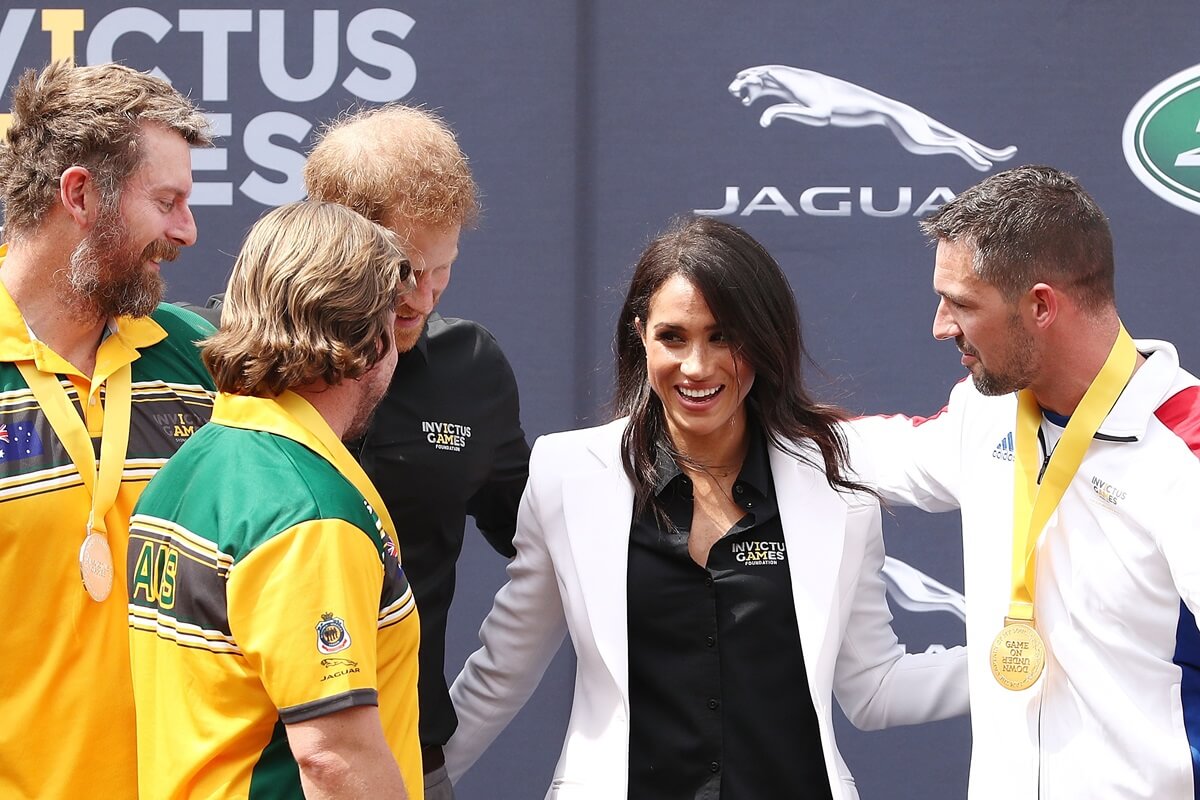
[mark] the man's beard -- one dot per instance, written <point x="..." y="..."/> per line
<point x="108" y="279"/>
<point x="368" y="402"/>
<point x="1016" y="374"/>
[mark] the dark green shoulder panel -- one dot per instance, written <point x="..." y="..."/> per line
<point x="239" y="488"/>
<point x="176" y="359"/>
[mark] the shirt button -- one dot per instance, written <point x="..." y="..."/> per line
<point x="710" y="641"/>
<point x="749" y="504"/>
<point x="738" y="489"/>
<point x="708" y="580"/>
<point x="714" y="767"/>
<point x="713" y="704"/>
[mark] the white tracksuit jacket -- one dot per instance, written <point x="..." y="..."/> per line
<point x="1116" y="713"/>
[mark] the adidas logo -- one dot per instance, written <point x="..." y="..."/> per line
<point x="1004" y="451"/>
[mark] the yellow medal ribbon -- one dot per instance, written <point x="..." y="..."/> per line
<point x="1018" y="654"/>
<point x="102" y="481"/>
<point x="337" y="454"/>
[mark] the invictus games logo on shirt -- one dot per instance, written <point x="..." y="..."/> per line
<point x="1162" y="139"/>
<point x="332" y="636"/>
<point x="178" y="425"/>
<point x="1107" y="492"/>
<point x="756" y="554"/>
<point x="446" y="435"/>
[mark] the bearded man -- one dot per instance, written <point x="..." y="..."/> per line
<point x="99" y="384"/>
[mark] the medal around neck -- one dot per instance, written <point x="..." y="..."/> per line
<point x="1018" y="655"/>
<point x="96" y="566"/>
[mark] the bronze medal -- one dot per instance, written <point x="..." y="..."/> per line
<point x="96" y="566"/>
<point x="1018" y="656"/>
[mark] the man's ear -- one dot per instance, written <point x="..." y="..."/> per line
<point x="1044" y="303"/>
<point x="77" y="193"/>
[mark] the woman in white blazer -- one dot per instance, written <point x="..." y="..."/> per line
<point x="710" y="674"/>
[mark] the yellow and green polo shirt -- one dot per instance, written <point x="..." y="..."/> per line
<point x="263" y="591"/>
<point x="66" y="702"/>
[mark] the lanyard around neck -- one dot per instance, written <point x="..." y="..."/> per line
<point x="1033" y="504"/>
<point x="337" y="454"/>
<point x="102" y="480"/>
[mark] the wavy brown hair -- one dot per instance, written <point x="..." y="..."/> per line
<point x="396" y="165"/>
<point x="308" y="301"/>
<point x="751" y="300"/>
<point x="87" y="116"/>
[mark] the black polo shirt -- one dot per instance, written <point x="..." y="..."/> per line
<point x="446" y="442"/>
<point x="719" y="701"/>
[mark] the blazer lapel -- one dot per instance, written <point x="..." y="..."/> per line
<point x="814" y="526"/>
<point x="597" y="511"/>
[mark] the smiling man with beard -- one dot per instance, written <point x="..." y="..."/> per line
<point x="99" y="385"/>
<point x="262" y="564"/>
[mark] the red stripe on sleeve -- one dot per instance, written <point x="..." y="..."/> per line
<point x="1182" y="415"/>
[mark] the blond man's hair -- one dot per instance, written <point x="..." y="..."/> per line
<point x="397" y="165"/>
<point x="83" y="116"/>
<point x="309" y="301"/>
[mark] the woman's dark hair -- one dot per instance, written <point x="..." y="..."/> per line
<point x="751" y="300"/>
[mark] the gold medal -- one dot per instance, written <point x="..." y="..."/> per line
<point x="1018" y="655"/>
<point x="96" y="566"/>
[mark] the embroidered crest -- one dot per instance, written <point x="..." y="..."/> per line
<point x="332" y="636"/>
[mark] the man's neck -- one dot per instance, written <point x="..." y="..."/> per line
<point x="335" y="404"/>
<point x="1070" y="368"/>
<point x="33" y="276"/>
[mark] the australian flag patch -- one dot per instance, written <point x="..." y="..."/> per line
<point x="19" y="440"/>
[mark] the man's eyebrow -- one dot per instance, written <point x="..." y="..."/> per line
<point x="954" y="297"/>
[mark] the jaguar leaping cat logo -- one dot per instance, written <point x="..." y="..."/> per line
<point x="819" y="100"/>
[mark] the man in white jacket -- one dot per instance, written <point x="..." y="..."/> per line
<point x="1071" y="455"/>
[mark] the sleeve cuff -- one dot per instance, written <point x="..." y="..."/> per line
<point x="328" y="705"/>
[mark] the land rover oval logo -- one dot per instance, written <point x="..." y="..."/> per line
<point x="1162" y="139"/>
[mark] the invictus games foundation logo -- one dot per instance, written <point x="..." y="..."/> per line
<point x="1162" y="139"/>
<point x="332" y="636"/>
<point x="446" y="435"/>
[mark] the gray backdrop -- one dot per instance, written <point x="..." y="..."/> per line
<point x="590" y="125"/>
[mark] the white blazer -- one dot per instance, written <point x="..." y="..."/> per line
<point x="570" y="574"/>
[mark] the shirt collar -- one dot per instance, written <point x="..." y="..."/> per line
<point x="665" y="469"/>
<point x="756" y="468"/>
<point x="262" y="414"/>
<point x="1154" y="382"/>
<point x="422" y="345"/>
